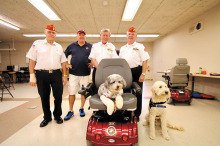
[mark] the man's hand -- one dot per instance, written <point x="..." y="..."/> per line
<point x="32" y="80"/>
<point x="64" y="80"/>
<point x="68" y="66"/>
<point x="141" y="78"/>
<point x="90" y="65"/>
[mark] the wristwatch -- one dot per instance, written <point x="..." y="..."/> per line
<point x="143" y="73"/>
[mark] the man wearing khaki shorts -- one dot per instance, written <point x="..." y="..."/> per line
<point x="79" y="70"/>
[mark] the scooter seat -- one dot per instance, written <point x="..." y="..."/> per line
<point x="129" y="102"/>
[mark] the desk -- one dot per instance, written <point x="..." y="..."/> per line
<point x="202" y="76"/>
<point x="12" y="74"/>
<point x="164" y="72"/>
<point x="22" y="76"/>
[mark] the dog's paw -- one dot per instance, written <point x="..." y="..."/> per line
<point x="119" y="102"/>
<point x="153" y="137"/>
<point x="110" y="111"/>
<point x="110" y="108"/>
<point x="167" y="137"/>
<point x="181" y="128"/>
<point x="119" y="105"/>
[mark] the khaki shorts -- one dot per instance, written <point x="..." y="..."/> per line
<point x="76" y="82"/>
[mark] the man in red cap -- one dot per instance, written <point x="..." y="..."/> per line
<point x="46" y="61"/>
<point x="136" y="56"/>
<point x="79" y="70"/>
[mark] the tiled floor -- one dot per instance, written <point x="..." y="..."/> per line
<point x="20" y="118"/>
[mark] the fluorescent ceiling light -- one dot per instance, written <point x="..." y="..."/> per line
<point x="118" y="35"/>
<point x="130" y="9"/>
<point x="9" y="25"/>
<point x="34" y="35"/>
<point x="92" y="35"/>
<point x="45" y="9"/>
<point x="148" y="35"/>
<point x="66" y="35"/>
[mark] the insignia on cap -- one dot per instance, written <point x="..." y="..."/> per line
<point x="51" y="27"/>
<point x="132" y="29"/>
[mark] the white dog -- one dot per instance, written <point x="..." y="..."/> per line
<point x="110" y="92"/>
<point x="157" y="110"/>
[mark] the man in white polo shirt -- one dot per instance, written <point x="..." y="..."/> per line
<point x="136" y="55"/>
<point x="46" y="60"/>
<point x="101" y="50"/>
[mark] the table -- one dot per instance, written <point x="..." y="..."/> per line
<point x="12" y="74"/>
<point x="202" y="76"/>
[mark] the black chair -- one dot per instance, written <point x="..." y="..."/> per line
<point x="8" y="80"/>
<point x="3" y="86"/>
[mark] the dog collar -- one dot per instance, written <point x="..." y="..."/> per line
<point x="106" y="96"/>
<point x="162" y="106"/>
<point x="156" y="104"/>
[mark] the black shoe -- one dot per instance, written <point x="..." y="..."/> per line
<point x="44" y="123"/>
<point x="59" y="120"/>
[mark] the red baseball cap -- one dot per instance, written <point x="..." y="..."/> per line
<point x="51" y="27"/>
<point x="81" y="31"/>
<point x="132" y="29"/>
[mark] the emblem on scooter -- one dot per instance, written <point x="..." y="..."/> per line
<point x="111" y="130"/>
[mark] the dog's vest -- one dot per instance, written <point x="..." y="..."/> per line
<point x="156" y="104"/>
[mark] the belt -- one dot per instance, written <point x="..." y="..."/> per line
<point x="137" y="67"/>
<point x="49" y="71"/>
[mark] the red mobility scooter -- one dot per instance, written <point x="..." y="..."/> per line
<point x="121" y="127"/>
<point x="178" y="79"/>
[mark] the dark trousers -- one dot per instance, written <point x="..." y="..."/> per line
<point x="45" y="81"/>
<point x="136" y="72"/>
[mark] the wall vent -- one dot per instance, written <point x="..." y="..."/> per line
<point x="196" y="27"/>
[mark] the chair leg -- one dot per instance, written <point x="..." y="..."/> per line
<point x="2" y="95"/>
<point x="10" y="93"/>
<point x="13" y="86"/>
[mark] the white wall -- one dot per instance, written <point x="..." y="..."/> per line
<point x="15" y="57"/>
<point x="202" y="49"/>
